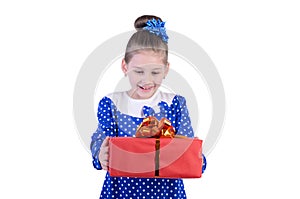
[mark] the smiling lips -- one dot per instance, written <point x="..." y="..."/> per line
<point x="146" y="87"/>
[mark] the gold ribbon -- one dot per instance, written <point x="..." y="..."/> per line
<point x="152" y="128"/>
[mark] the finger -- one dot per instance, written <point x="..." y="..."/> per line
<point x="104" y="168"/>
<point x="105" y="141"/>
<point x="103" y="150"/>
<point x="104" y="163"/>
<point x="103" y="156"/>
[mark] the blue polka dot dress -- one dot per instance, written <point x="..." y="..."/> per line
<point x="129" y="113"/>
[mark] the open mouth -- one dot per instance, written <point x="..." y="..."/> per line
<point x="146" y="87"/>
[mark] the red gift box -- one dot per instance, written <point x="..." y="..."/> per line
<point x="155" y="157"/>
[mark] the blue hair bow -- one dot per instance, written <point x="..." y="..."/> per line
<point x="157" y="27"/>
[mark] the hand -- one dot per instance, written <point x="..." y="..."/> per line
<point x="103" y="154"/>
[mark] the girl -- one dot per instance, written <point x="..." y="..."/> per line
<point x="146" y="65"/>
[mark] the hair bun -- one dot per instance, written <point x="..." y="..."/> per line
<point x="141" y="21"/>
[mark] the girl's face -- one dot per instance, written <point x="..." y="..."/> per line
<point x="145" y="71"/>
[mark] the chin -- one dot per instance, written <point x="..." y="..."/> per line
<point x="146" y="94"/>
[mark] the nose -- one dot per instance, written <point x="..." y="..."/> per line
<point x="148" y="77"/>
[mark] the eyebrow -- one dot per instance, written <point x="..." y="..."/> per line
<point x="137" y="67"/>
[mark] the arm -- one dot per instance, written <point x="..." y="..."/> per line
<point x="106" y="127"/>
<point x="183" y="125"/>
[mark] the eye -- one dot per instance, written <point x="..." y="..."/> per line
<point x="155" y="72"/>
<point x="139" y="71"/>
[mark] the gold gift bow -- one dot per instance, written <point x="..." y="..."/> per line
<point x="152" y="128"/>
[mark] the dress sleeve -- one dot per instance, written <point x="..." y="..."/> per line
<point x="106" y="127"/>
<point x="183" y="125"/>
<point x="183" y="122"/>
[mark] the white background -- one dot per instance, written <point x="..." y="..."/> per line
<point x="254" y="45"/>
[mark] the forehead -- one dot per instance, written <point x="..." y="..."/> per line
<point x="146" y="58"/>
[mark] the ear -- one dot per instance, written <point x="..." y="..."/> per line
<point x="124" y="66"/>
<point x="167" y="69"/>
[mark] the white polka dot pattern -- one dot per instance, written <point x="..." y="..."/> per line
<point x="112" y="121"/>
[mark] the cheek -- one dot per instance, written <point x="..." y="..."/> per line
<point x="158" y="81"/>
<point x="158" y="78"/>
<point x="134" y="78"/>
